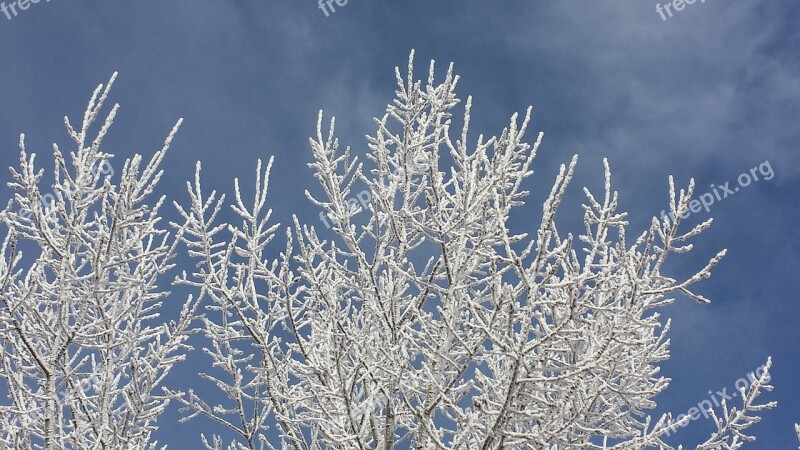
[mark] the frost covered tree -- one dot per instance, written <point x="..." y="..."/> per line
<point x="82" y="346"/>
<point x="427" y="322"/>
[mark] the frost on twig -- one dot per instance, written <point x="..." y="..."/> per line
<point x="797" y="430"/>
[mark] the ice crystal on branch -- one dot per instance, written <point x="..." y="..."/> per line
<point x="433" y="325"/>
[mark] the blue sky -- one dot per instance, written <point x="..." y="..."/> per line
<point x="709" y="93"/>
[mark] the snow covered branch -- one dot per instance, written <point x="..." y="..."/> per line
<point x="82" y="345"/>
<point x="430" y="323"/>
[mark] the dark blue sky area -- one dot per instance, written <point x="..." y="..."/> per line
<point x="709" y="93"/>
